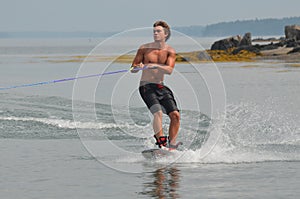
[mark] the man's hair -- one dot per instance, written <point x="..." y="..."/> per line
<point x="165" y="26"/>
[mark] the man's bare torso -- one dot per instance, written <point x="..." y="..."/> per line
<point x="152" y="56"/>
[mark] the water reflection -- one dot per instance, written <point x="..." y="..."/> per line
<point x="162" y="183"/>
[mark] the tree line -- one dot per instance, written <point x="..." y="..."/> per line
<point x="257" y="27"/>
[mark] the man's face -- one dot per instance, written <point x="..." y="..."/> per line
<point x="159" y="33"/>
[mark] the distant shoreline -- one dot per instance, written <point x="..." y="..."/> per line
<point x="186" y="57"/>
<point x="222" y="29"/>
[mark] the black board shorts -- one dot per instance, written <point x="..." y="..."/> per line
<point x="158" y="97"/>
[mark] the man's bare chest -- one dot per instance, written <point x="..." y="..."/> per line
<point x="156" y="56"/>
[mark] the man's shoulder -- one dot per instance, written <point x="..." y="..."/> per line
<point x="170" y="49"/>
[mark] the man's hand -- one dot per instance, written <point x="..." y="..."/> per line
<point x="137" y="68"/>
<point x="141" y="66"/>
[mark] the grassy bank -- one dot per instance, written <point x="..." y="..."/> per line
<point x="216" y="55"/>
<point x="181" y="57"/>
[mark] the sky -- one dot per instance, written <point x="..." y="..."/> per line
<point x="120" y="15"/>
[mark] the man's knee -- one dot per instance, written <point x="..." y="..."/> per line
<point x="174" y="116"/>
<point x="158" y="114"/>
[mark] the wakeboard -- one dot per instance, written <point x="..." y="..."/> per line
<point x="156" y="153"/>
<point x="160" y="152"/>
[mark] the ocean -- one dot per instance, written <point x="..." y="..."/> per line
<point x="83" y="138"/>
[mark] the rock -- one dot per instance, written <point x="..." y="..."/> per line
<point x="231" y="42"/>
<point x="292" y="32"/>
<point x="271" y="39"/>
<point x="227" y="43"/>
<point x="295" y="50"/>
<point x="246" y="40"/>
<point x="270" y="46"/>
<point x="292" y="43"/>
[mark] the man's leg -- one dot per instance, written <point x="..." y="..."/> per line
<point x="157" y="124"/>
<point x="161" y="140"/>
<point x="174" y="126"/>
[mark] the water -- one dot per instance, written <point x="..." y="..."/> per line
<point x="54" y="147"/>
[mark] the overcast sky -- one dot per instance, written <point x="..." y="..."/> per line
<point x="119" y="15"/>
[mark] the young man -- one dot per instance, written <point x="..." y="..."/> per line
<point x="156" y="59"/>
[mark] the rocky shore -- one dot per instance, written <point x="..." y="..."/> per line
<point x="237" y="48"/>
<point x="231" y="49"/>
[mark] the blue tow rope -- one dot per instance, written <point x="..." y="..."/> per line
<point x="63" y="80"/>
<point x="67" y="79"/>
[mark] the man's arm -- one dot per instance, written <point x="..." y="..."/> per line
<point x="169" y="66"/>
<point x="138" y="60"/>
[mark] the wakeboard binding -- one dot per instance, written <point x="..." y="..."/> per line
<point x="164" y="143"/>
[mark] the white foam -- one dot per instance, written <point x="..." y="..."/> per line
<point x="68" y="124"/>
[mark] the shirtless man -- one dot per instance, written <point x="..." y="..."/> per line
<point x="155" y="60"/>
